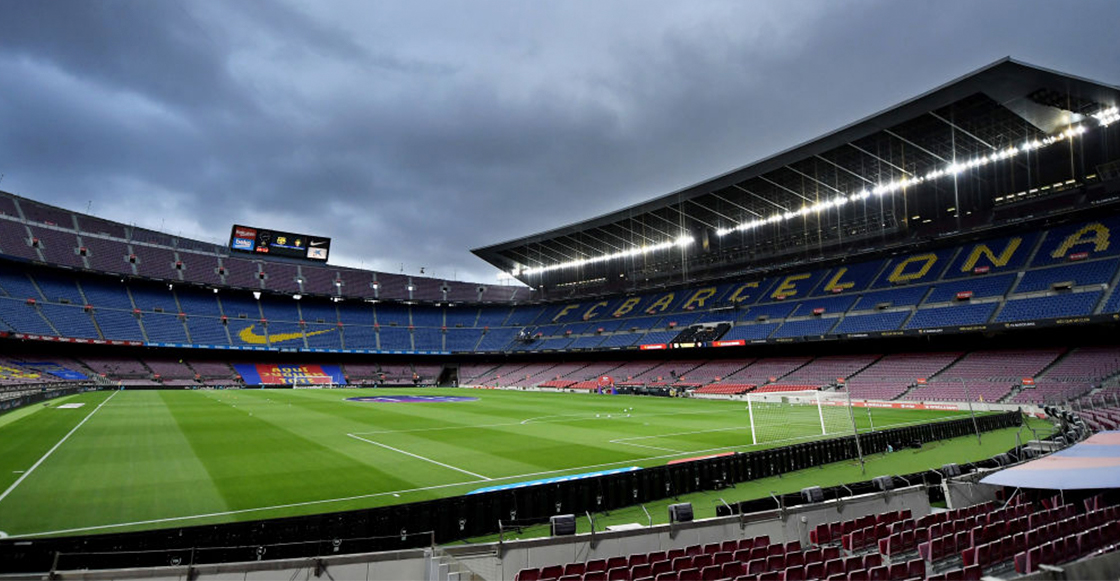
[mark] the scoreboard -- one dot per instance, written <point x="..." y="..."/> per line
<point x="276" y="243"/>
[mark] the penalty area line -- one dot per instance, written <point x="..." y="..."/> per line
<point x="56" y="446"/>
<point x="419" y="457"/>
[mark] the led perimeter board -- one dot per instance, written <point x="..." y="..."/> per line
<point x="276" y="243"/>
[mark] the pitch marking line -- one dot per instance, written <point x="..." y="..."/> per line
<point x="51" y="451"/>
<point x="419" y="457"/>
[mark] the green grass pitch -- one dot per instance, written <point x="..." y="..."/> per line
<point x="128" y="460"/>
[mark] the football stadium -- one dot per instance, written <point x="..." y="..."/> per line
<point x="889" y="352"/>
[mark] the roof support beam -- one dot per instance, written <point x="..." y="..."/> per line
<point x="725" y="217"/>
<point x="840" y="167"/>
<point x="772" y="203"/>
<point x="955" y="128"/>
<point x="809" y="177"/>
<point x="743" y="208"/>
<point x="881" y="160"/>
<point x="914" y="145"/>
<point x="776" y="184"/>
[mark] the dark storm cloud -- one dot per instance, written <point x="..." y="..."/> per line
<point x="411" y="132"/>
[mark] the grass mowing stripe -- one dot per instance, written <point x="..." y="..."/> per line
<point x="51" y="451"/>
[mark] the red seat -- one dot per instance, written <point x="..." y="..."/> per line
<point x="775" y="562"/>
<point x="795" y="559"/>
<point x="872" y="560"/>
<point x="701" y="561"/>
<point x="775" y="549"/>
<point x="674" y="553"/>
<point x="528" y="574"/>
<point x="916" y="568"/>
<point x="880" y="573"/>
<point x="815" y="570"/>
<point x="551" y="572"/>
<point x="572" y="577"/>
<point x="743" y="555"/>
<point x="859" y="575"/>
<point x="830" y="553"/>
<point x="658" y="556"/>
<point x="820" y="534"/>
<point x="616" y="562"/>
<point x="692" y="574"/>
<point x="619" y="574"/>
<point x="640" y="571"/>
<point x="711" y="573"/>
<point x="756" y="566"/>
<point x="667" y="576"/>
<point x="722" y="557"/>
<point x="812" y="556"/>
<point x="835" y="567"/>
<point x="574" y="569"/>
<point x="596" y="565"/>
<point x="595" y="576"/>
<point x="693" y="550"/>
<point x="729" y="546"/>
<point x="660" y="567"/>
<point x="682" y="563"/>
<point x="734" y="569"/>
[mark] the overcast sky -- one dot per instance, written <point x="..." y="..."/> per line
<point x="410" y="132"/>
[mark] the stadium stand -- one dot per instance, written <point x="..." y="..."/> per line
<point x="984" y="375"/>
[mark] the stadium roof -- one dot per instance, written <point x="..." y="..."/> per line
<point x="997" y="107"/>
<point x="1094" y="463"/>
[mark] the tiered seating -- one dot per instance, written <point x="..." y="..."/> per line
<point x="964" y="314"/>
<point x="1050" y="307"/>
<point x="215" y="372"/>
<point x="985" y="375"/>
<point x="980" y="287"/>
<point x="727" y="388"/>
<point x="117" y="368"/>
<point x="756" y="558"/>
<point x="664" y="374"/>
<point x="1072" y="376"/>
<point x="713" y="371"/>
<point x="1080" y="274"/>
<point x="871" y="323"/>
<point x="892" y="375"/>
<point x="826" y="370"/>
<point x="776" y="387"/>
<point x="761" y="371"/>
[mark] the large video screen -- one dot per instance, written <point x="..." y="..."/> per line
<point x="277" y="243"/>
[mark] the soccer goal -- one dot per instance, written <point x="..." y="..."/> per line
<point x="798" y="415"/>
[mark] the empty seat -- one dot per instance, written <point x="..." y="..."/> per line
<point x="528" y="574"/>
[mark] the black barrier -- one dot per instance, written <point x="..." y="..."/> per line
<point x="449" y="519"/>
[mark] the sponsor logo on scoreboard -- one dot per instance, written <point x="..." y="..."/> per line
<point x="245" y="244"/>
<point x="317" y="253"/>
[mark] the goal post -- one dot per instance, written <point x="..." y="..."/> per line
<point x="791" y="417"/>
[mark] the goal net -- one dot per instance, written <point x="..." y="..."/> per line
<point x="791" y="417"/>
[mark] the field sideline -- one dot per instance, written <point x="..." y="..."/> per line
<point x="127" y="460"/>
